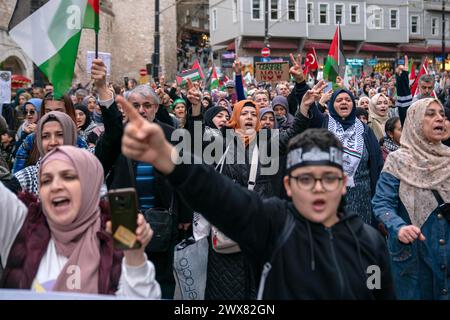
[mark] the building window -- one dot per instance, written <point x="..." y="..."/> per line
<point x="214" y="19"/>
<point x="323" y="13"/>
<point x="274" y="10"/>
<point x="195" y="22"/>
<point x="434" y="26"/>
<point x="256" y="9"/>
<point x="235" y="11"/>
<point x="186" y="17"/>
<point x="338" y="14"/>
<point x="310" y="12"/>
<point x="378" y="18"/>
<point x="354" y="13"/>
<point x="394" y="23"/>
<point x="292" y="10"/>
<point x="414" y="24"/>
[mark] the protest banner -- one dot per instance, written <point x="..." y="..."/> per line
<point x="272" y="71"/>
<point x="106" y="58"/>
<point x="5" y="87"/>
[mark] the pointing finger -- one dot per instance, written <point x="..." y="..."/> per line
<point x="130" y="111"/>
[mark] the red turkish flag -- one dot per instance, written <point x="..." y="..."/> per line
<point x="310" y="61"/>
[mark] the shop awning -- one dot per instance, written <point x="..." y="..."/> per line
<point x="324" y="46"/>
<point x="377" y="48"/>
<point x="259" y="44"/>
<point x="415" y="48"/>
<point x="19" y="81"/>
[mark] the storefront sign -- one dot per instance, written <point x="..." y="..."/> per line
<point x="106" y="58"/>
<point x="228" y="59"/>
<point x="372" y="62"/>
<point x="355" y="62"/>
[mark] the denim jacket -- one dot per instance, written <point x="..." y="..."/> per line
<point x="23" y="153"/>
<point x="420" y="269"/>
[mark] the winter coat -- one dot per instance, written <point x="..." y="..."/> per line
<point x="314" y="263"/>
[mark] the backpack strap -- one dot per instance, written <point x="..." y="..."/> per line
<point x="288" y="227"/>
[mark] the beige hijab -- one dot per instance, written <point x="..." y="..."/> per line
<point x="420" y="166"/>
<point x="377" y="122"/>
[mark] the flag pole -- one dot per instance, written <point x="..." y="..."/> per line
<point x="97" y="28"/>
<point x="96" y="44"/>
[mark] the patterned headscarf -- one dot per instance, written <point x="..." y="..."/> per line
<point x="420" y="166"/>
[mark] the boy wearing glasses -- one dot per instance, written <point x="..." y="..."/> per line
<point x="324" y="253"/>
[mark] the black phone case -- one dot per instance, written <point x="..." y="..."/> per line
<point x="123" y="206"/>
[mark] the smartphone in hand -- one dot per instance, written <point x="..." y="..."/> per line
<point x="123" y="204"/>
<point x="328" y="87"/>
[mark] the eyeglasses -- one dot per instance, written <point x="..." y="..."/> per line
<point x="30" y="112"/>
<point x="307" y="182"/>
<point x="145" y="105"/>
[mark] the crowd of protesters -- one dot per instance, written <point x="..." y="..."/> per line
<point x="363" y="179"/>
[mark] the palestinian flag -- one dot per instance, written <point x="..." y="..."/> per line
<point x="335" y="64"/>
<point x="50" y="37"/>
<point x="223" y="82"/>
<point x="192" y="74"/>
<point x="214" y="79"/>
<point x="197" y="66"/>
<point x="92" y="15"/>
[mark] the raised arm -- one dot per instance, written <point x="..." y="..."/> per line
<point x="296" y="95"/>
<point x="300" y="122"/>
<point x="237" y="66"/>
<point x="108" y="147"/>
<point x="404" y="97"/>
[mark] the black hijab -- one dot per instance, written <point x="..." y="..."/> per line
<point x="211" y="113"/>
<point x="85" y="110"/>
<point x="345" y="122"/>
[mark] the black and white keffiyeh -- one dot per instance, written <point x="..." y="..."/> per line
<point x="28" y="178"/>
<point x="352" y="140"/>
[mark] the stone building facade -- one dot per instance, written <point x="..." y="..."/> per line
<point x="11" y="57"/>
<point x="127" y="28"/>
